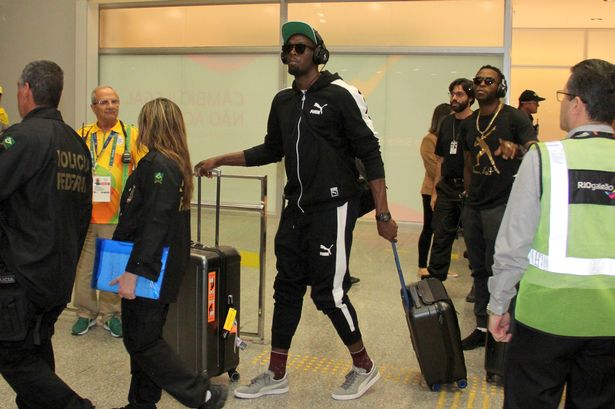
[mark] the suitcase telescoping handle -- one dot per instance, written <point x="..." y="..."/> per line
<point x="404" y="290"/>
<point x="218" y="174"/>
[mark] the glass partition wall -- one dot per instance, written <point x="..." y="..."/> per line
<point x="220" y="63"/>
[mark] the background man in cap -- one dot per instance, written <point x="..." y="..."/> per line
<point x="319" y="126"/>
<point x="556" y="239"/>
<point x="4" y="117"/>
<point x="529" y="101"/>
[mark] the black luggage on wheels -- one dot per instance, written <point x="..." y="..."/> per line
<point x="208" y="301"/>
<point x="434" y="331"/>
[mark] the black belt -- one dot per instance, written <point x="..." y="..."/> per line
<point x="454" y="180"/>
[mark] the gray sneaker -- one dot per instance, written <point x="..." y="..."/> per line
<point x="263" y="384"/>
<point x="357" y="382"/>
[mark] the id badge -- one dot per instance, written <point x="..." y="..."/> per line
<point x="453" y="148"/>
<point x="101" y="189"/>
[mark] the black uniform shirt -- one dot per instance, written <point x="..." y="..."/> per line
<point x="150" y="216"/>
<point x="45" y="204"/>
<point x="448" y="137"/>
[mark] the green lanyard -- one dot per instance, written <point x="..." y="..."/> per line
<point x="94" y="148"/>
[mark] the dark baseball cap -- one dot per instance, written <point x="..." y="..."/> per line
<point x="529" y="95"/>
<point x="291" y="28"/>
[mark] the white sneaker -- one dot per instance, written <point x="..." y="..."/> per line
<point x="263" y="384"/>
<point x="357" y="382"/>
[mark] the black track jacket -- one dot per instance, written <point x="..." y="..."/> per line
<point x="319" y="133"/>
<point x="45" y="204"/>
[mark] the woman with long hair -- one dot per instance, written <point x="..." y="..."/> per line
<point x="428" y="154"/>
<point x="155" y="213"/>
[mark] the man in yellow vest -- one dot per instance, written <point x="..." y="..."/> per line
<point x="113" y="148"/>
<point x="556" y="239"/>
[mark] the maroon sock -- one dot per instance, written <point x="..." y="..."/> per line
<point x="360" y="359"/>
<point x="277" y="363"/>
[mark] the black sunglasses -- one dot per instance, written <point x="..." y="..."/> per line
<point x="299" y="48"/>
<point x="486" y="80"/>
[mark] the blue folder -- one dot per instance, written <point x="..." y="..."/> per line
<point x="110" y="262"/>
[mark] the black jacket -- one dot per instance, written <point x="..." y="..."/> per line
<point x="45" y="204"/>
<point x="150" y="216"/>
<point x="319" y="134"/>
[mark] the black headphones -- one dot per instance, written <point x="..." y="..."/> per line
<point x="320" y="55"/>
<point x="502" y="87"/>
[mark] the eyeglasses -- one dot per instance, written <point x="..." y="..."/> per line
<point x="458" y="94"/>
<point x="107" y="102"/>
<point x="299" y="48"/>
<point x="560" y="95"/>
<point x="486" y="80"/>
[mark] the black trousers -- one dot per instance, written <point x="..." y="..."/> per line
<point x="539" y="365"/>
<point x="28" y="366"/>
<point x="154" y="365"/>
<point x="480" y="229"/>
<point x="426" y="233"/>
<point x="313" y="249"/>
<point x="445" y="224"/>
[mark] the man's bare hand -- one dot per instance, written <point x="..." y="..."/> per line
<point x="388" y="230"/>
<point x="204" y="167"/>
<point x="507" y="149"/>
<point x="499" y="326"/>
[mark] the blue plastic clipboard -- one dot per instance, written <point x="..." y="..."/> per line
<point x="110" y="262"/>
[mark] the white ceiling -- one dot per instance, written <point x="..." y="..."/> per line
<point x="526" y="13"/>
<point x="563" y="13"/>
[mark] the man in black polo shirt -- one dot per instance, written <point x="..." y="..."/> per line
<point x="448" y="189"/>
<point x="493" y="138"/>
<point x="529" y="101"/>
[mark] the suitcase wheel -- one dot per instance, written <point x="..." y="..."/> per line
<point x="494" y="378"/>
<point x="234" y="375"/>
<point x="462" y="383"/>
<point x="436" y="387"/>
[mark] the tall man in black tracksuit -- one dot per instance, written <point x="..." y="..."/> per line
<point x="448" y="189"/>
<point x="45" y="209"/>
<point x="319" y="126"/>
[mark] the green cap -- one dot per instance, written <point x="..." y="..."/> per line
<point x="291" y="28"/>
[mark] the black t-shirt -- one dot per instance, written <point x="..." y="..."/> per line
<point x="449" y="148"/>
<point x="493" y="176"/>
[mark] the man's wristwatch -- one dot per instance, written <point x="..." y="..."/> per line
<point x="383" y="217"/>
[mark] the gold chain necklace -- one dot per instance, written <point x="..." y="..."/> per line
<point x="482" y="133"/>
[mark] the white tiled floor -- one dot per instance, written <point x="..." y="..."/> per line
<point x="96" y="365"/>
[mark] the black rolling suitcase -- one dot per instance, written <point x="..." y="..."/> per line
<point x="496" y="353"/>
<point x="200" y="326"/>
<point x="434" y="331"/>
<point x="495" y="360"/>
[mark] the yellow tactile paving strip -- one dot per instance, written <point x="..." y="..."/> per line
<point x="479" y="394"/>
